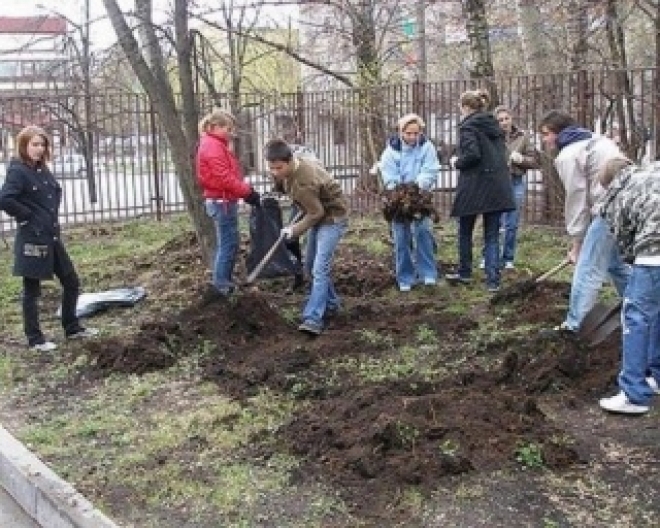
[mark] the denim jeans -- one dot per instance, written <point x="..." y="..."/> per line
<point x="321" y="242"/>
<point x="511" y="220"/>
<point x="598" y="257"/>
<point x="640" y="320"/>
<point x="421" y="233"/>
<point x="225" y="217"/>
<point x="491" y="250"/>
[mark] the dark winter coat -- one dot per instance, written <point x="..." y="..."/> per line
<point x="32" y="196"/>
<point x="484" y="180"/>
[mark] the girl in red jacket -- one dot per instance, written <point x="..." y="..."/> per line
<point x="220" y="177"/>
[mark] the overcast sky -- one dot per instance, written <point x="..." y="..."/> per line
<point x="102" y="34"/>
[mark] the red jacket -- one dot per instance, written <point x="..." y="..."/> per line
<point x="217" y="170"/>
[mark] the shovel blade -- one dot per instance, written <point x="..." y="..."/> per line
<point x="600" y="323"/>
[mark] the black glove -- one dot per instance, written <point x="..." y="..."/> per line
<point x="253" y="199"/>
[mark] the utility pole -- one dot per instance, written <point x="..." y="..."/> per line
<point x="421" y="41"/>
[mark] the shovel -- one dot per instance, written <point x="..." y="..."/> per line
<point x="600" y="323"/>
<point x="522" y="289"/>
<point x="268" y="256"/>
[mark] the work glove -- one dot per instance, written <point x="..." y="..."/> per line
<point x="253" y="199"/>
<point x="287" y="232"/>
<point x="452" y="161"/>
<point x="516" y="158"/>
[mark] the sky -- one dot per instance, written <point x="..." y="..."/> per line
<point x="102" y="34"/>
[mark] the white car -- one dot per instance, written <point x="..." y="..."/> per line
<point x="69" y="166"/>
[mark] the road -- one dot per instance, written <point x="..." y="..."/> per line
<point x="11" y="516"/>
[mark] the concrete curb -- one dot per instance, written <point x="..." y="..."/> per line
<point x="49" y="500"/>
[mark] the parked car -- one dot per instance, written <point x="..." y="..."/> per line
<point x="69" y="166"/>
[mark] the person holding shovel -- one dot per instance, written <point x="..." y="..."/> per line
<point x="325" y="219"/>
<point x="582" y="155"/>
<point x="31" y="195"/>
<point x="220" y="177"/>
<point x="631" y="207"/>
<point x="522" y="157"/>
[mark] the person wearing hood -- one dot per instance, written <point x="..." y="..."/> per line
<point x="631" y="207"/>
<point x="582" y="155"/>
<point x="411" y="158"/>
<point x="220" y="178"/>
<point x="483" y="188"/>
<point x="31" y="195"/>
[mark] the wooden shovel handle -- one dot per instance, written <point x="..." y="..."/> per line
<point x="553" y="271"/>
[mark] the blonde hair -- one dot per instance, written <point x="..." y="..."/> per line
<point x="217" y="117"/>
<point x="612" y="168"/>
<point x="409" y="119"/>
<point x="477" y="100"/>
<point x="23" y="140"/>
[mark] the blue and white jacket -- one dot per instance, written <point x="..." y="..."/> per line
<point x="403" y="163"/>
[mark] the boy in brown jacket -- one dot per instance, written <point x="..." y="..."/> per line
<point x="325" y="219"/>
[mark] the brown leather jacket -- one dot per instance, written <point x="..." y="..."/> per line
<point x="518" y="141"/>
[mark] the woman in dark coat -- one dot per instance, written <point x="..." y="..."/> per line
<point x="484" y="186"/>
<point x="31" y="195"/>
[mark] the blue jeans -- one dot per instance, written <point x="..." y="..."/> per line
<point x="491" y="251"/>
<point x="511" y="220"/>
<point x="421" y="231"/>
<point x="640" y="320"/>
<point x="322" y="241"/>
<point x="225" y="217"/>
<point x="598" y="257"/>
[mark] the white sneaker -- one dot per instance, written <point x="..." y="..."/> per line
<point x="46" y="346"/>
<point x="430" y="282"/>
<point x="621" y="404"/>
<point x="482" y="264"/>
<point x="404" y="287"/>
<point x="84" y="333"/>
<point x="509" y="265"/>
<point x="653" y="384"/>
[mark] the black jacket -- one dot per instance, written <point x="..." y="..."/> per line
<point x="32" y="196"/>
<point x="484" y="180"/>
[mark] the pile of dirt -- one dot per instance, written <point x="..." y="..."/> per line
<point x="362" y="434"/>
<point x="407" y="202"/>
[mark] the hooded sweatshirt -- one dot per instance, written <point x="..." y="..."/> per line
<point x="403" y="163"/>
<point x="582" y="155"/>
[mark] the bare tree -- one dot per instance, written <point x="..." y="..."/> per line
<point x="179" y="123"/>
<point x="476" y="24"/>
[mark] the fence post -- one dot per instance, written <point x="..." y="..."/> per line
<point x="158" y="198"/>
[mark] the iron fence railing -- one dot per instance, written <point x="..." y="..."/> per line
<point x="115" y="163"/>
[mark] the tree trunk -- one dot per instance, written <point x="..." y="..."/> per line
<point x="476" y="24"/>
<point x="153" y="78"/>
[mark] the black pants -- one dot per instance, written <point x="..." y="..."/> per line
<point x="31" y="293"/>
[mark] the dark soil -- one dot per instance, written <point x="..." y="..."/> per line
<point x="370" y="438"/>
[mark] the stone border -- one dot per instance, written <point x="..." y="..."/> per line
<point x="44" y="496"/>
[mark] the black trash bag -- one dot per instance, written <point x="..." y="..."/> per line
<point x="93" y="303"/>
<point x="265" y="227"/>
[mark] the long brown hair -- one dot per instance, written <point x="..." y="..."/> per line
<point x="23" y="139"/>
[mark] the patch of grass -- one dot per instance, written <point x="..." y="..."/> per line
<point x="375" y="338"/>
<point x="530" y="455"/>
<point x="425" y="335"/>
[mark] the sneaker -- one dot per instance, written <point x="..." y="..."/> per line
<point x="430" y="282"/>
<point x="493" y="289"/>
<point x="455" y="278"/>
<point x="562" y="330"/>
<point x="405" y="287"/>
<point x="653" y="384"/>
<point x="310" y="327"/>
<point x="482" y="264"/>
<point x="46" y="346"/>
<point x="621" y="404"/>
<point x="509" y="265"/>
<point x="84" y="333"/>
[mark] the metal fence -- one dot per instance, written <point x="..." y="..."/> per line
<point x="115" y="163"/>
